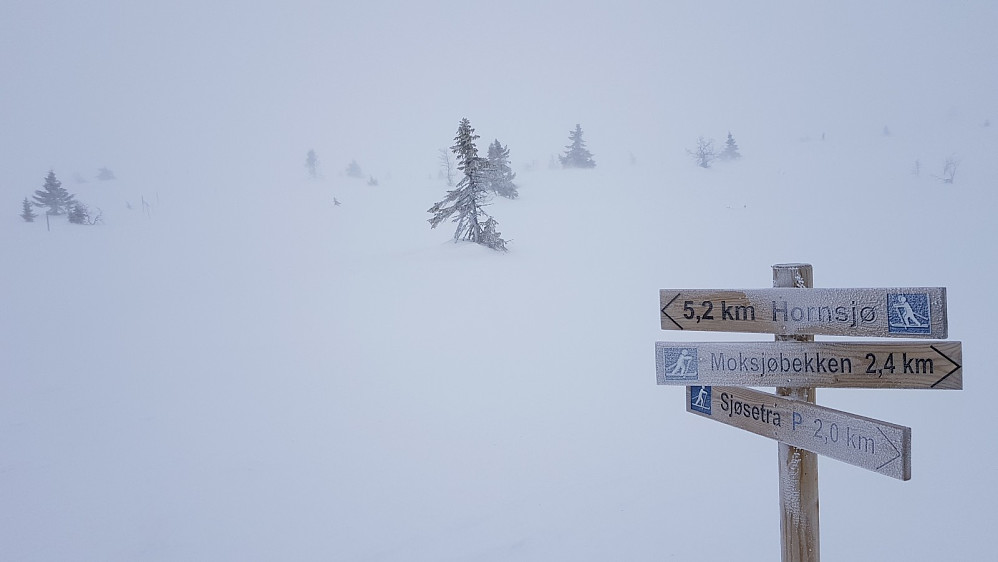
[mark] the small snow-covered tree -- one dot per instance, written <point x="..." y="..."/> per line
<point x="949" y="169"/>
<point x="27" y="213"/>
<point x="576" y="155"/>
<point x="312" y="164"/>
<point x="491" y="237"/>
<point x="54" y="196"/>
<point x="105" y="174"/>
<point x="501" y="174"/>
<point x="464" y="204"/>
<point x="730" y="151"/>
<point x="704" y="154"/>
<point x="354" y="171"/>
<point x="78" y="214"/>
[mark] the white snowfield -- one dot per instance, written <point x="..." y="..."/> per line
<point x="235" y="368"/>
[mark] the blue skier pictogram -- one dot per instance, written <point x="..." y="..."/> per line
<point x="700" y="399"/>
<point x="908" y="313"/>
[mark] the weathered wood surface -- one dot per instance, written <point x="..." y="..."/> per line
<point x="868" y="443"/>
<point x="865" y="364"/>
<point x="913" y="312"/>
<point x="799" y="521"/>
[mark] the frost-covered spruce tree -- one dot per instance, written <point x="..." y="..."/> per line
<point x="53" y="196"/>
<point x="463" y="204"/>
<point x="501" y="176"/>
<point x="27" y="213"/>
<point x="576" y="155"/>
<point x="730" y="149"/>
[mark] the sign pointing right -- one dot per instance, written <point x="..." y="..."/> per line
<point x="868" y="443"/>
<point x="865" y="364"/>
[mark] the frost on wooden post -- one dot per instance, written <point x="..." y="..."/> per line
<point x="791" y="487"/>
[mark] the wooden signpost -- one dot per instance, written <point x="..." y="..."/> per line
<point x="716" y="373"/>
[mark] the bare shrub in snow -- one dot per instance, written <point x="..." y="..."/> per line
<point x="703" y="154"/>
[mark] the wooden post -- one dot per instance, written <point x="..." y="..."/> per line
<point x="798" y="468"/>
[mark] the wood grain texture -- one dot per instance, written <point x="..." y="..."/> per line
<point x="906" y="312"/>
<point x="875" y="445"/>
<point x="864" y="364"/>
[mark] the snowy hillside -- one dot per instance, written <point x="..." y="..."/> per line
<point x="283" y="378"/>
<point x="231" y="367"/>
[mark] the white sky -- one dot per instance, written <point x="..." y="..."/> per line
<point x="182" y="84"/>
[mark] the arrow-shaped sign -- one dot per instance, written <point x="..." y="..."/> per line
<point x="874" y="445"/>
<point x="935" y="365"/>
<point x="899" y="312"/>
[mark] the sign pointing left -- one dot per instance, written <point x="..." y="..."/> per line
<point x="903" y="312"/>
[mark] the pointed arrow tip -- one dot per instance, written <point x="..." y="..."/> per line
<point x="897" y="452"/>
<point x="666" y="314"/>
<point x="956" y="367"/>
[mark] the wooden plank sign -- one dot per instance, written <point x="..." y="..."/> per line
<point x="868" y="443"/>
<point x="899" y="312"/>
<point x="928" y="365"/>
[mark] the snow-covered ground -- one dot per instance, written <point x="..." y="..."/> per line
<point x="240" y="370"/>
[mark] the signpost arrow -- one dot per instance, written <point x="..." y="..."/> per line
<point x="898" y="312"/>
<point x="927" y="365"/>
<point x="868" y="443"/>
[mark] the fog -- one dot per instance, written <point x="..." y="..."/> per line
<point x="189" y="85"/>
<point x="231" y="367"/>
